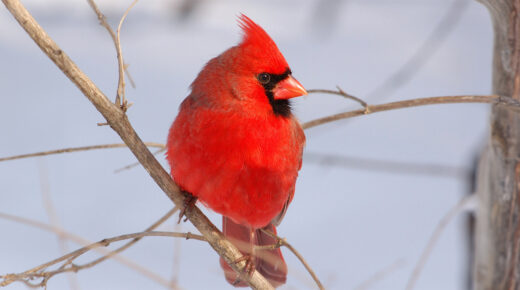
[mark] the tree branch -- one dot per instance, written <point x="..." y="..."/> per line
<point x="106" y="254"/>
<point x="492" y="99"/>
<point x="283" y="242"/>
<point x="76" y="149"/>
<point x="118" y="121"/>
<point x="68" y="259"/>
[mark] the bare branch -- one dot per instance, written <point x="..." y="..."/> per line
<point x="491" y="99"/>
<point x="121" y="82"/>
<point x="342" y="93"/>
<point x="76" y="149"/>
<point x="135" y="240"/>
<point x="103" y="21"/>
<point x="283" y="242"/>
<point x="53" y="218"/>
<point x="107" y="254"/>
<point x="69" y="266"/>
<point x="79" y="240"/>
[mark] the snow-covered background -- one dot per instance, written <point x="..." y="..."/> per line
<point x="350" y="221"/>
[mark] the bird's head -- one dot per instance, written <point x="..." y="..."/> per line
<point x="255" y="73"/>
<point x="262" y="69"/>
<point x="261" y="59"/>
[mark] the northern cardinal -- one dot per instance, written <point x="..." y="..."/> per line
<point x="237" y="148"/>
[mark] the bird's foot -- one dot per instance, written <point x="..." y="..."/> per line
<point x="189" y="202"/>
<point x="249" y="269"/>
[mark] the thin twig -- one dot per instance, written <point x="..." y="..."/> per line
<point x="387" y="166"/>
<point x="107" y="254"/>
<point x="176" y="265"/>
<point x="421" y="56"/>
<point x="342" y="93"/>
<point x="489" y="99"/>
<point x="379" y="275"/>
<point x="283" y="242"/>
<point x="130" y="166"/>
<point x="130" y="243"/>
<point x="121" y="83"/>
<point x="76" y="149"/>
<point x="448" y="217"/>
<point x="103" y="22"/>
<point x="69" y="266"/>
<point x="54" y="219"/>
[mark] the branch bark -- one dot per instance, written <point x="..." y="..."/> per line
<point x="118" y="121"/>
<point x="497" y="238"/>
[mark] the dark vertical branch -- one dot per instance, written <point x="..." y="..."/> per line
<point x="497" y="238"/>
<point x="470" y="224"/>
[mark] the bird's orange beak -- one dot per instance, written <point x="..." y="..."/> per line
<point x="288" y="88"/>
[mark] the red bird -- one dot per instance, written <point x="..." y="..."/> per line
<point x="237" y="148"/>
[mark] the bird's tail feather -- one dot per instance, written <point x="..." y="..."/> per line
<point x="269" y="262"/>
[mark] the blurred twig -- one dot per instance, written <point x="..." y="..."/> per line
<point x="325" y="16"/>
<point x="387" y="166"/>
<point x="54" y="220"/>
<point x="186" y="9"/>
<point x="428" y="48"/>
<point x="176" y="266"/>
<point x="283" y="242"/>
<point x="76" y="149"/>
<point x="452" y="213"/>
<point x="379" y="275"/>
<point x="130" y="166"/>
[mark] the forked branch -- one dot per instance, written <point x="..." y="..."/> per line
<point x="67" y="261"/>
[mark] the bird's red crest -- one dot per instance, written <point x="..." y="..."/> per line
<point x="259" y="45"/>
<point x="253" y="33"/>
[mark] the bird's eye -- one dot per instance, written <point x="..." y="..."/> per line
<point x="264" y="78"/>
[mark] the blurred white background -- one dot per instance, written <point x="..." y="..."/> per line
<point x="349" y="220"/>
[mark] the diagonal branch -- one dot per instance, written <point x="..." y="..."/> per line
<point x="118" y="121"/>
<point x="423" y="54"/>
<point x="283" y="242"/>
<point x="448" y="217"/>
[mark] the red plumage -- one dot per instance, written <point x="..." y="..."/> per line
<point x="236" y="146"/>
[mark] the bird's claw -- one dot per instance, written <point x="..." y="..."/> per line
<point x="189" y="202"/>
<point x="249" y="269"/>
